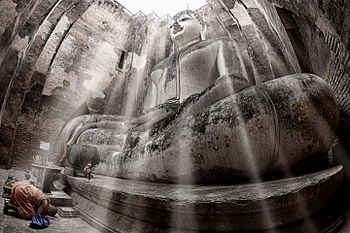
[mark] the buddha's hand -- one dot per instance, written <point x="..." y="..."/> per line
<point x="174" y="100"/>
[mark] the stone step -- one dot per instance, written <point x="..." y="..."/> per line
<point x="45" y="175"/>
<point x="67" y="212"/>
<point x="60" y="198"/>
<point x="216" y="208"/>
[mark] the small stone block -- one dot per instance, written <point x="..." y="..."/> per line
<point x="60" y="198"/>
<point x="69" y="171"/>
<point x="67" y="212"/>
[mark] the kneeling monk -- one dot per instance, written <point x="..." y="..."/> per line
<point x="29" y="201"/>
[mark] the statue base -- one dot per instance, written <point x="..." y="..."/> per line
<point x="69" y="171"/>
<point x="45" y="175"/>
<point x="307" y="203"/>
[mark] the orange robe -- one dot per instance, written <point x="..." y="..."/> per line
<point x="26" y="197"/>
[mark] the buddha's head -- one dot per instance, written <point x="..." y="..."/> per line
<point x="186" y="29"/>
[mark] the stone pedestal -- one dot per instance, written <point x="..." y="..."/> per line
<point x="116" y="205"/>
<point x="60" y="198"/>
<point x="7" y="192"/>
<point x="45" y="175"/>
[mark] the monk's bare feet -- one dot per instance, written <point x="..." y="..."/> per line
<point x="6" y="207"/>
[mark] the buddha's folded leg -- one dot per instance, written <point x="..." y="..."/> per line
<point x="270" y="126"/>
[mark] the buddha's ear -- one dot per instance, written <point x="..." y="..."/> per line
<point x="173" y="48"/>
<point x="203" y="31"/>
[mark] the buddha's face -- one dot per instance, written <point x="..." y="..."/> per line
<point x="186" y="29"/>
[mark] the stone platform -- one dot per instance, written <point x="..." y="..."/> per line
<point x="67" y="212"/>
<point x="45" y="175"/>
<point x="116" y="205"/>
<point x="60" y="198"/>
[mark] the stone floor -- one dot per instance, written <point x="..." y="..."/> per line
<point x="10" y="224"/>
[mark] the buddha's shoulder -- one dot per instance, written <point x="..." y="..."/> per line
<point x="166" y="63"/>
<point x="210" y="43"/>
<point x="170" y="62"/>
<point x="219" y="41"/>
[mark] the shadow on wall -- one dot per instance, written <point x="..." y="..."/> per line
<point x="295" y="37"/>
<point x="341" y="156"/>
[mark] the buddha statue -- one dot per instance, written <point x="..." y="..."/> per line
<point x="204" y="121"/>
<point x="195" y="65"/>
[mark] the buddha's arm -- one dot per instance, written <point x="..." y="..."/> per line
<point x="73" y="129"/>
<point x="151" y="98"/>
<point x="232" y="79"/>
<point x="231" y="67"/>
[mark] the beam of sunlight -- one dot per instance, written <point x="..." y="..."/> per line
<point x="253" y="169"/>
<point x="286" y="169"/>
<point x="252" y="162"/>
<point x="184" y="174"/>
<point x="318" y="133"/>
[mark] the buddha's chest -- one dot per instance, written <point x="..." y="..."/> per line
<point x="187" y="72"/>
<point x="197" y="64"/>
<point x="196" y="71"/>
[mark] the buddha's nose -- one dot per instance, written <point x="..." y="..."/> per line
<point x="176" y="26"/>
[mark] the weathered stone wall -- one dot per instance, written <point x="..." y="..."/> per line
<point x="20" y="47"/>
<point x="265" y="53"/>
<point x="151" y="44"/>
<point x="337" y="11"/>
<point x="323" y="26"/>
<point x="56" y="54"/>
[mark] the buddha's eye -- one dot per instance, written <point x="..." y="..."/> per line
<point x="184" y="19"/>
